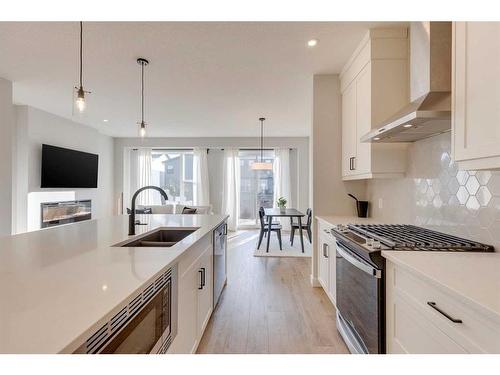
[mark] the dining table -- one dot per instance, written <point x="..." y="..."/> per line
<point x="271" y="213"/>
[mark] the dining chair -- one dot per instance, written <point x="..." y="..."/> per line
<point x="305" y="226"/>
<point x="275" y="227"/>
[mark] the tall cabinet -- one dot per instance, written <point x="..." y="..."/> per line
<point x="476" y="95"/>
<point x="374" y="85"/>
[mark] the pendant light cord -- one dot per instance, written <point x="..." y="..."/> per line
<point x="261" y="140"/>
<point x="142" y="92"/>
<point x="81" y="54"/>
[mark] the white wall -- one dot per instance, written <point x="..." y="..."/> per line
<point x="6" y="126"/>
<point x="36" y="127"/>
<point x="329" y="192"/>
<point x="299" y="157"/>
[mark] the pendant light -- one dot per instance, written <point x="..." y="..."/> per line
<point x="261" y="166"/>
<point x="80" y="103"/>
<point x="142" y="125"/>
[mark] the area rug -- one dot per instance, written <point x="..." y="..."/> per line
<point x="290" y="251"/>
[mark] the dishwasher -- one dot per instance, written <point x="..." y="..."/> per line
<point x="220" y="261"/>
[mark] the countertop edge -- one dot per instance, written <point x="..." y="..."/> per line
<point x="469" y="301"/>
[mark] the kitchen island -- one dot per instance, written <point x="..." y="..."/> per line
<point x="58" y="285"/>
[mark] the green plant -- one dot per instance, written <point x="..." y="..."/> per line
<point x="281" y="202"/>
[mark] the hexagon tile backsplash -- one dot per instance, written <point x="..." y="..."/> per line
<point x="437" y="195"/>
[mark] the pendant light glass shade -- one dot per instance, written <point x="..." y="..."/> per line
<point x="261" y="165"/>
<point x="142" y="129"/>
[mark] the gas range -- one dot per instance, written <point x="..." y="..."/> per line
<point x="368" y="240"/>
<point x="360" y="275"/>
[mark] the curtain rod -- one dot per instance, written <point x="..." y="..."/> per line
<point x="208" y="148"/>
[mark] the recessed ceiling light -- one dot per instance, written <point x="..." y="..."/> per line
<point x="376" y="139"/>
<point x="312" y="42"/>
<point x="105" y="120"/>
<point x="407" y="126"/>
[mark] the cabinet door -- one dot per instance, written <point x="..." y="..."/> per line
<point x="349" y="129"/>
<point x="323" y="264"/>
<point x="412" y="333"/>
<point x="476" y="109"/>
<point x="332" y="273"/>
<point x="204" y="290"/>
<point x="362" y="162"/>
<point x="186" y="340"/>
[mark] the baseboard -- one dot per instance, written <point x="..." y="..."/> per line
<point x="314" y="282"/>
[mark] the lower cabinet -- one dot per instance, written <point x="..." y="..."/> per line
<point x="205" y="291"/>
<point x="326" y="261"/>
<point x="195" y="299"/>
<point x="424" y="318"/>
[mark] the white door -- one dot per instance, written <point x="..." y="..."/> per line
<point x="205" y="290"/>
<point x="323" y="264"/>
<point x="186" y="340"/>
<point x="362" y="163"/>
<point x="332" y="272"/>
<point x="349" y="129"/>
<point x="476" y="115"/>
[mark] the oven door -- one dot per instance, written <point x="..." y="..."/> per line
<point x="146" y="331"/>
<point x="359" y="302"/>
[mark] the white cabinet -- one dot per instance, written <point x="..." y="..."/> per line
<point x="205" y="291"/>
<point x="423" y="317"/>
<point x="476" y="95"/>
<point x="326" y="261"/>
<point x="195" y="296"/>
<point x="374" y="85"/>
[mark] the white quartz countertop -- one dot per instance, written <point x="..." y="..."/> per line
<point x="57" y="283"/>
<point x="474" y="277"/>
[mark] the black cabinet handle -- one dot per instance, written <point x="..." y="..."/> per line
<point x="200" y="272"/>
<point x="325" y="252"/>
<point x="434" y="306"/>
<point x="204" y="276"/>
<point x="353" y="163"/>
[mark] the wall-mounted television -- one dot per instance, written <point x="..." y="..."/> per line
<point x="65" y="168"/>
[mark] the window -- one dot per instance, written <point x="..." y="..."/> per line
<point x="256" y="187"/>
<point x="173" y="171"/>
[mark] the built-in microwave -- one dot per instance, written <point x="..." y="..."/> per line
<point x="146" y="325"/>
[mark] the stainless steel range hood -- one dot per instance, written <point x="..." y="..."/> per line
<point x="429" y="113"/>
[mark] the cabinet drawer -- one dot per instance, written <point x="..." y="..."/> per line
<point x="476" y="333"/>
<point x="414" y="334"/>
<point x="324" y="233"/>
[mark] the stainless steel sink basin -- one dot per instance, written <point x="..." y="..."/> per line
<point x="159" y="238"/>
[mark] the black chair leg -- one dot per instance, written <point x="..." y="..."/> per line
<point x="278" y="232"/>
<point x="292" y="236"/>
<point x="261" y="235"/>
<point x="309" y="235"/>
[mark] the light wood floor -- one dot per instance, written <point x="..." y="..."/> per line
<point x="269" y="306"/>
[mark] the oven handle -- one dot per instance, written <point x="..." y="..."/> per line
<point x="358" y="264"/>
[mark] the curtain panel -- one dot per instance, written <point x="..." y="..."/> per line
<point x="201" y="189"/>
<point x="231" y="187"/>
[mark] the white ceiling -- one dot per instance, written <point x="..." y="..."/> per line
<point x="205" y="79"/>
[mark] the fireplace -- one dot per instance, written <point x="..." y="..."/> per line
<point x="57" y="213"/>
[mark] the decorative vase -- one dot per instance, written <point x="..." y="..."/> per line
<point x="282" y="209"/>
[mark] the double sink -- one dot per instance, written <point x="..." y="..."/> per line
<point x="159" y="238"/>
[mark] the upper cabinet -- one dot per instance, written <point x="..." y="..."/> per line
<point x="476" y="95"/>
<point x="374" y="85"/>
